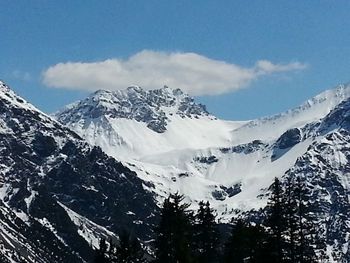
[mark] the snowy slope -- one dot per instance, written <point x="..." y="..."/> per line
<point x="196" y="154"/>
<point x="232" y="179"/>
<point x="54" y="186"/>
<point x="134" y="123"/>
<point x="273" y="126"/>
<point x="231" y="164"/>
<point x="120" y="121"/>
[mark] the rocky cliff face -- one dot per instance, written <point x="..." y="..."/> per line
<point x="153" y="107"/>
<point x="55" y="188"/>
<point x="325" y="170"/>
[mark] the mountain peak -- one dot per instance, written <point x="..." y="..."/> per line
<point x="153" y="107"/>
<point x="4" y="87"/>
<point x="312" y="110"/>
<point x="11" y="99"/>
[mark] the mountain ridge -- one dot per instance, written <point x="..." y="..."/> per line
<point x="162" y="116"/>
<point x="235" y="174"/>
<point x="165" y="166"/>
<point x="47" y="173"/>
<point x="57" y="173"/>
<point x="151" y="107"/>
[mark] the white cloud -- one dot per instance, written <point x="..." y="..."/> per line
<point x="193" y="73"/>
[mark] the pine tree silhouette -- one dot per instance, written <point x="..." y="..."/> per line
<point x="300" y="232"/>
<point x="173" y="241"/>
<point x="206" y="235"/>
<point x="277" y="224"/>
<point x="247" y="243"/>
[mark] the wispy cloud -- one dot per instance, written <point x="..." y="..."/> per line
<point x="191" y="72"/>
<point x="267" y="67"/>
<point x="21" y="75"/>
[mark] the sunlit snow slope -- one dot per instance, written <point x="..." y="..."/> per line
<point x="271" y="127"/>
<point x="174" y="144"/>
<point x="134" y="123"/>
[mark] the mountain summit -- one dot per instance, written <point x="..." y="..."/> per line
<point x="134" y="122"/>
<point x="152" y="107"/>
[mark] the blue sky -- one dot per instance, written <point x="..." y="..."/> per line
<point x="37" y="35"/>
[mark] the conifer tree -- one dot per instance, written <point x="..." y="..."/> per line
<point x="206" y="236"/>
<point x="247" y="243"/>
<point x="129" y="250"/>
<point x="291" y="210"/>
<point x="301" y="232"/>
<point x="174" y="232"/>
<point x="305" y="227"/>
<point x="276" y="223"/>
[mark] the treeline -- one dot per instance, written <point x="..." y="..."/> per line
<point x="283" y="233"/>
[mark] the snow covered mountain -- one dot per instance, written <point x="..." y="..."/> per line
<point x="58" y="194"/>
<point x="194" y="152"/>
<point x="135" y="123"/>
<point x="174" y="144"/>
<point x="271" y="127"/>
